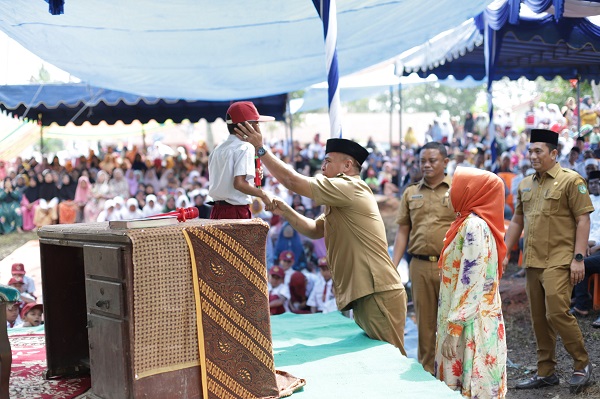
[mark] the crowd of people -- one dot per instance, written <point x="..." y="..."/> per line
<point x="303" y="274"/>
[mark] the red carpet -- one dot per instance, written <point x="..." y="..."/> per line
<point x="28" y="367"/>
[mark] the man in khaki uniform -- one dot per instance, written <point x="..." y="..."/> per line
<point x="363" y="275"/>
<point x="554" y="207"/>
<point x="424" y="216"/>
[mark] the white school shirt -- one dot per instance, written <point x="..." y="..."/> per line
<point x="316" y="295"/>
<point x="233" y="157"/>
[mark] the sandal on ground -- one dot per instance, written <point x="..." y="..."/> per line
<point x="579" y="313"/>
<point x="519" y="273"/>
<point x="596" y="323"/>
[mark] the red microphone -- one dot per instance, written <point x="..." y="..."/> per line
<point x="257" y="181"/>
<point x="182" y="214"/>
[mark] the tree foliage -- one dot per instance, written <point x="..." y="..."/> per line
<point x="427" y="97"/>
<point x="557" y="90"/>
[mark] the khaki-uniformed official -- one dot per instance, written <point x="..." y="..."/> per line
<point x="554" y="207"/>
<point x="363" y="275"/>
<point x="424" y="216"/>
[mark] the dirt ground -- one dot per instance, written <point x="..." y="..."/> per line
<point x="520" y="340"/>
<point x="12" y="241"/>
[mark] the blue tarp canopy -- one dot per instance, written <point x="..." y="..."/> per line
<point x="79" y="103"/>
<point x="536" y="44"/>
<point x="221" y="50"/>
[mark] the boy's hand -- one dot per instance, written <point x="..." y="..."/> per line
<point x="268" y="201"/>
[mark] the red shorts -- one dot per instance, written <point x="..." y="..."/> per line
<point x="227" y="211"/>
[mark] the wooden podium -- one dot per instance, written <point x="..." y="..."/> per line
<point x="129" y="323"/>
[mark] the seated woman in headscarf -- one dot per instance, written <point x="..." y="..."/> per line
<point x="119" y="204"/>
<point x="290" y="240"/>
<point x="83" y="194"/>
<point x="118" y="184"/>
<point x="132" y="210"/>
<point x="152" y="206"/>
<point x="109" y="212"/>
<point x="470" y="354"/>
<point x="181" y="199"/>
<point x="100" y="193"/>
<point x="10" y="208"/>
<point x="47" y="211"/>
<point x="29" y="202"/>
<point x="67" y="208"/>
<point x="150" y="178"/>
<point x="133" y="178"/>
<point x="170" y="204"/>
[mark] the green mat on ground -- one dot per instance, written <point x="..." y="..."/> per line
<point x="338" y="360"/>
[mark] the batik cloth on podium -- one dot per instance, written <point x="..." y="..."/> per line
<point x="200" y="289"/>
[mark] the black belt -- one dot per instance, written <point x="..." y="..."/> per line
<point x="429" y="258"/>
<point x="225" y="203"/>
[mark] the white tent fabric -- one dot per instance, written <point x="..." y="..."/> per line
<point x="221" y="50"/>
<point x="446" y="46"/>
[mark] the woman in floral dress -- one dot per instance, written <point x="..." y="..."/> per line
<point x="471" y="345"/>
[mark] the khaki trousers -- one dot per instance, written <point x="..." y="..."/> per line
<point x="549" y="291"/>
<point x="425" y="280"/>
<point x="382" y="316"/>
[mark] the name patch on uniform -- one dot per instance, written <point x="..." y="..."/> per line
<point x="416" y="196"/>
<point x="582" y="188"/>
<point x="526" y="189"/>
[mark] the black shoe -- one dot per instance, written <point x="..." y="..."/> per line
<point x="581" y="379"/>
<point x="536" y="382"/>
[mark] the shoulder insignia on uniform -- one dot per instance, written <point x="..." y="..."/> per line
<point x="582" y="188"/>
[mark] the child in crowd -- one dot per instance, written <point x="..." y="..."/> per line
<point x="32" y="314"/>
<point x="12" y="315"/>
<point x="296" y="283"/>
<point x="109" y="212"/>
<point x="18" y="271"/>
<point x="132" y="210"/>
<point x="18" y="284"/>
<point x="279" y="293"/>
<point x="322" y="298"/>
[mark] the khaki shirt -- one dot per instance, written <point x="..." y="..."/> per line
<point x="357" y="249"/>
<point x="550" y="204"/>
<point x="428" y="211"/>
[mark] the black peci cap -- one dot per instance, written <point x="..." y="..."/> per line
<point x="347" y="147"/>
<point x="543" y="136"/>
<point x="594" y="174"/>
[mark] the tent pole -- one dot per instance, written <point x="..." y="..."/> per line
<point x="41" y="135"/>
<point x="291" y="127"/>
<point x="391" y="116"/>
<point x="400" y="135"/>
<point x="578" y="104"/>
<point x="144" y="140"/>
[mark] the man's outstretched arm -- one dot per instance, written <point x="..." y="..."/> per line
<point x="291" y="179"/>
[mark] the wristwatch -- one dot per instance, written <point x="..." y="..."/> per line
<point x="261" y="151"/>
<point x="578" y="257"/>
